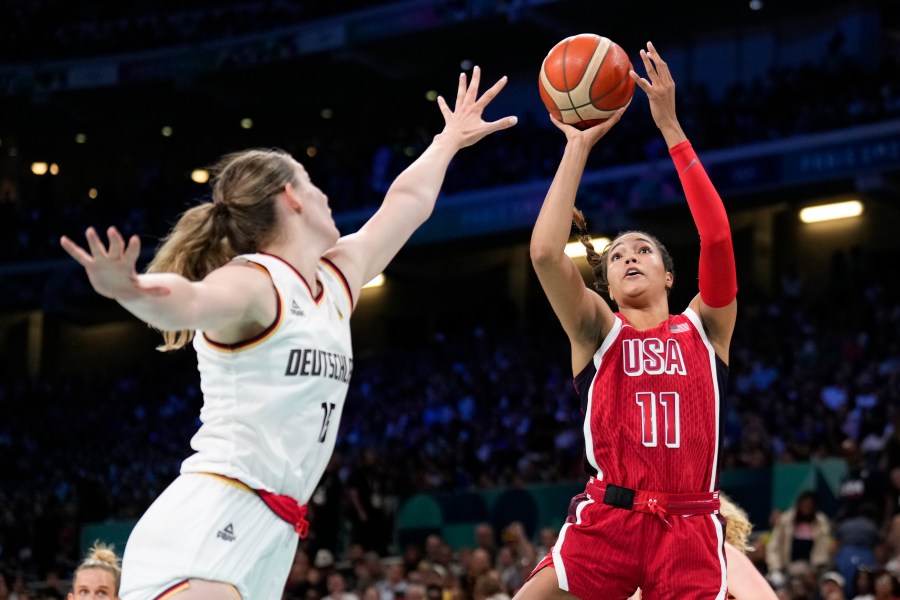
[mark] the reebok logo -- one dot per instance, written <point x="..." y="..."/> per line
<point x="226" y="534"/>
<point x="295" y="308"/>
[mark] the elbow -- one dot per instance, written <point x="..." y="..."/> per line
<point x="719" y="240"/>
<point x="543" y="254"/>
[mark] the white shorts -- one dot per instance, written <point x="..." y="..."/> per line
<point x="206" y="527"/>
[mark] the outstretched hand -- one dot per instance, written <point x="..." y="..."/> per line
<point x="660" y="89"/>
<point x="112" y="272"/>
<point x="464" y="122"/>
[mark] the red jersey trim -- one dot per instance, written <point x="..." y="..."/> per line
<point x="262" y="336"/>
<point x="175" y="589"/>
<point x="316" y="299"/>
<point x="343" y="279"/>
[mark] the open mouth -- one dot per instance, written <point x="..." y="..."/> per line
<point x="632" y="273"/>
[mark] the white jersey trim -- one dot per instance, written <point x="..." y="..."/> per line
<point x="720" y="539"/>
<point x="598" y="358"/>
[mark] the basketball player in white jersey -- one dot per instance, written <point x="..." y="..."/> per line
<point x="263" y="277"/>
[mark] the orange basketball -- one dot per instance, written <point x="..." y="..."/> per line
<point x="584" y="80"/>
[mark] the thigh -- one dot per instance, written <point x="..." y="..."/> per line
<point x="542" y="585"/>
<point x="202" y="528"/>
<point x="687" y="560"/>
<point x="598" y="551"/>
<point x="199" y="589"/>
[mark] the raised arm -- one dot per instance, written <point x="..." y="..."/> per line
<point x="716" y="303"/>
<point x="583" y="314"/>
<point x="411" y="198"/>
<point x="232" y="298"/>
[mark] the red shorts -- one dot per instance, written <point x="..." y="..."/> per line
<point x="672" y="547"/>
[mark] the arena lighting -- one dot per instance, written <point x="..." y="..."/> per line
<point x="200" y="176"/>
<point x="247" y="123"/>
<point x="39" y="168"/>
<point x="377" y="281"/>
<point x="54" y="169"/>
<point x="80" y="138"/>
<point x="431" y="95"/>
<point x="576" y="249"/>
<point x="829" y="212"/>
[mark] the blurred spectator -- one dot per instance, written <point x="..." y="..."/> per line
<point x="856" y="538"/>
<point x="337" y="588"/>
<point x="886" y="586"/>
<point x="489" y="587"/>
<point x="486" y="539"/>
<point x="547" y="539"/>
<point x="393" y="586"/>
<point x="367" y="490"/>
<point x="801" y="533"/>
<point x="479" y="564"/>
<point x="326" y="508"/>
<point x="831" y="586"/>
<point x="52" y="587"/>
<point x="859" y="485"/>
<point x="865" y="584"/>
<point x="416" y="591"/>
<point x="370" y="593"/>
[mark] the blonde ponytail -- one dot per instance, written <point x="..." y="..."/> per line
<point x="737" y="524"/>
<point x="241" y="218"/>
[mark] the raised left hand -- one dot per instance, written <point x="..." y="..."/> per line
<point x="464" y="123"/>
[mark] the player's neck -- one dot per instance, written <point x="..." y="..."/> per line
<point x="645" y="317"/>
<point x="298" y="256"/>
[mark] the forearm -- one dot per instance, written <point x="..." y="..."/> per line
<point x="672" y="132"/>
<point x="418" y="186"/>
<point x="170" y="312"/>
<point x="717" y="275"/>
<point x="408" y="203"/>
<point x="554" y="223"/>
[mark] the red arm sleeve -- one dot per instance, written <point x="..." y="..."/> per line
<point x="717" y="275"/>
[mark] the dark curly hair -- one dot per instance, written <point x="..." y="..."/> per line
<point x="597" y="261"/>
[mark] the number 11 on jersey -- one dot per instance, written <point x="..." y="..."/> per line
<point x="671" y="415"/>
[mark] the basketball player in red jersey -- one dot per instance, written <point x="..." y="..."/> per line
<point x="651" y="386"/>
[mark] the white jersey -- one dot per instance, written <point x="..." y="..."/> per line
<point x="272" y="404"/>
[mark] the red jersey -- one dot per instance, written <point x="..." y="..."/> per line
<point x="652" y="402"/>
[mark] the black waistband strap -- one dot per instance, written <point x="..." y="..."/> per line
<point x="618" y="496"/>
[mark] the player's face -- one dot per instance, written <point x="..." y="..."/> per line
<point x="635" y="267"/>
<point x="94" y="584"/>
<point x="316" y="203"/>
